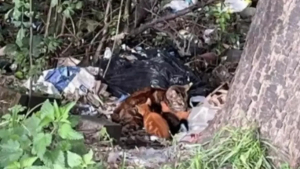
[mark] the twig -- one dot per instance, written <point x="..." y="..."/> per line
<point x="117" y="32"/>
<point x="73" y="26"/>
<point x="104" y="32"/>
<point x="94" y="39"/>
<point x="30" y="52"/>
<point x="63" y="25"/>
<point x="48" y="21"/>
<point x="169" y="17"/>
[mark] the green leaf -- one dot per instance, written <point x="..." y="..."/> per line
<point x="10" y="152"/>
<point x="27" y="5"/>
<point x="59" y="8"/>
<point x="73" y="159"/>
<point x="47" y="110"/>
<point x="52" y="157"/>
<point x="45" y="122"/>
<point x="66" y="110"/>
<point x="20" y="36"/>
<point x="25" y="141"/>
<point x="57" y="110"/>
<point x="4" y="133"/>
<point x="16" y="14"/>
<point x="6" y="116"/>
<point x="14" y="165"/>
<point x="64" y="145"/>
<point x="65" y="131"/>
<point x="6" y="16"/>
<point x="40" y="143"/>
<point x="37" y="40"/>
<point x="66" y="3"/>
<point x="67" y="13"/>
<point x="54" y="3"/>
<point x="38" y="167"/>
<point x="87" y="158"/>
<point x="32" y="124"/>
<point x="74" y="119"/>
<point x="27" y="162"/>
<point x="79" y="5"/>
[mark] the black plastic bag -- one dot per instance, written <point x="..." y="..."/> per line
<point x="154" y="68"/>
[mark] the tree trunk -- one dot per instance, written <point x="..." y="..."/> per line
<point x="266" y="87"/>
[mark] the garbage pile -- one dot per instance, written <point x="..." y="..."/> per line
<point x="135" y="76"/>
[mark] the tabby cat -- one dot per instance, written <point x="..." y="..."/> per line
<point x="126" y="113"/>
<point x="177" y="121"/>
<point x="154" y="123"/>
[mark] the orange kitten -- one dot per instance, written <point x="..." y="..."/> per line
<point x="154" y="123"/>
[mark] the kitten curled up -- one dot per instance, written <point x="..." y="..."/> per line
<point x="154" y="123"/>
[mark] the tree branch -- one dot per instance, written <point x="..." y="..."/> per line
<point x="169" y="17"/>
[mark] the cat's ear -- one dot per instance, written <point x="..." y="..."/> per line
<point x="188" y="86"/>
<point x="148" y="102"/>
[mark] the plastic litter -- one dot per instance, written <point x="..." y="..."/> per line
<point x="235" y="6"/>
<point x="198" y="120"/>
<point x="66" y="79"/>
<point x="177" y="5"/>
<point x="153" y="67"/>
<point x="196" y="99"/>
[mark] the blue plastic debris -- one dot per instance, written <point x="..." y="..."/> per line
<point x="122" y="98"/>
<point x="62" y="76"/>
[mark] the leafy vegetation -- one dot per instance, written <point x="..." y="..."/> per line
<point x="45" y="139"/>
<point x="43" y="46"/>
<point x="232" y="148"/>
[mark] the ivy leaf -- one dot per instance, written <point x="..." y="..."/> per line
<point x="54" y="3"/>
<point x="73" y="159"/>
<point x="20" y="36"/>
<point x="65" y="131"/>
<point x="40" y="143"/>
<point x="10" y="152"/>
<point x="47" y="110"/>
<point x="79" y="5"/>
<point x="87" y="158"/>
<point x="32" y="124"/>
<point x="27" y="162"/>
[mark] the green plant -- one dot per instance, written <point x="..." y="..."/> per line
<point x="104" y="136"/>
<point x="232" y="148"/>
<point x="222" y="16"/>
<point x="43" y="46"/>
<point x="46" y="139"/>
<point x="224" y="19"/>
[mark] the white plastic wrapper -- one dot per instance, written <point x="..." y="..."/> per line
<point x="235" y="6"/>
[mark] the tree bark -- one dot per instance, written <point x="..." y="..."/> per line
<point x="266" y="87"/>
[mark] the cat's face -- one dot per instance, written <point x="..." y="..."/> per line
<point x="144" y="107"/>
<point x="177" y="97"/>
